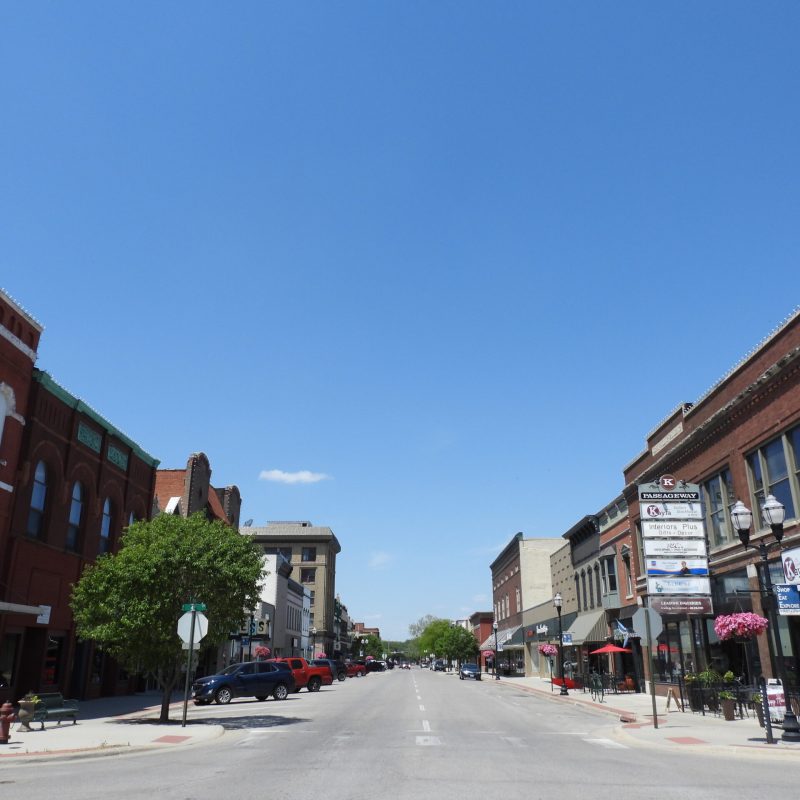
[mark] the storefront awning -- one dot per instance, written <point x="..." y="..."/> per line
<point x="506" y="637"/>
<point x="17" y="608"/>
<point x="589" y="627"/>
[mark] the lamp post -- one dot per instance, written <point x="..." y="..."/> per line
<point x="774" y="514"/>
<point x="494" y="663"/>
<point x="313" y="641"/>
<point x="557" y="604"/>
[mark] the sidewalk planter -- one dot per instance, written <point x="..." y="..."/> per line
<point x="25" y="713"/>
<point x="728" y="702"/>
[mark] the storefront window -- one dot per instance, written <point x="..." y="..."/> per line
<point x="8" y="658"/>
<point x="52" y="660"/>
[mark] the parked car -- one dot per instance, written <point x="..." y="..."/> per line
<point x="355" y="669"/>
<point x="337" y="668"/>
<point x="469" y="671"/>
<point x="375" y="666"/>
<point x="306" y="675"/>
<point x="258" y="679"/>
<point x="439" y="665"/>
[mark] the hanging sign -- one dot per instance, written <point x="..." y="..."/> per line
<point x="677" y="567"/>
<point x="671" y="511"/>
<point x="673" y="529"/>
<point x="678" y="586"/>
<point x="675" y="547"/>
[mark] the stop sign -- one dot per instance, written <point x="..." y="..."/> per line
<point x="200" y="626"/>
<point x="639" y="622"/>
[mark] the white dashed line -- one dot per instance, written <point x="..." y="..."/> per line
<point x="426" y="726"/>
<point x="422" y="708"/>
<point x="607" y="743"/>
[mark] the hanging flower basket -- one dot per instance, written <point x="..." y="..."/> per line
<point x="739" y="626"/>
<point x="548" y="650"/>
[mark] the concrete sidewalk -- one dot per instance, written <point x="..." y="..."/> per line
<point x="677" y="730"/>
<point x="108" y="726"/>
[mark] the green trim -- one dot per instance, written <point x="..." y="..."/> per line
<point x="47" y="382"/>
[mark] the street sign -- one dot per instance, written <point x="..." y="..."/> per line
<point x="185" y="626"/>
<point x="788" y="598"/>
<point x="566" y="638"/>
<point x="194" y="607"/>
<point x="639" y="624"/>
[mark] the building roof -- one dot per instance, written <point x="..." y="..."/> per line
<point x="292" y="531"/>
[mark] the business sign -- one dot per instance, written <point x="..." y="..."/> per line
<point x="776" y="702"/>
<point x="791" y="565"/>
<point x="675" y="548"/>
<point x="677" y="567"/>
<point x="671" y="510"/>
<point x="672" y="529"/>
<point x="656" y="586"/>
<point x="680" y="604"/>
<point x="566" y="638"/>
<point x="788" y="596"/>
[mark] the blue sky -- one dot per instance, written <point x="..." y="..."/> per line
<point x="435" y="252"/>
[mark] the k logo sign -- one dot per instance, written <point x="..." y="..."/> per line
<point x="667" y="483"/>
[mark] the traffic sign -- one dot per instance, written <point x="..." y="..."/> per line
<point x="194" y="607"/>
<point x="185" y="626"/>
<point x="639" y="624"/>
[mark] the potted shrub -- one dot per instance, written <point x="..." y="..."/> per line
<point x="693" y="691"/>
<point x="728" y="701"/>
<point x="27" y="705"/>
<point x="708" y="679"/>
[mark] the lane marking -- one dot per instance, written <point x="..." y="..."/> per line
<point x="514" y="741"/>
<point x="428" y="741"/>
<point x="426" y="726"/>
<point x="608" y="743"/>
<point x="422" y="708"/>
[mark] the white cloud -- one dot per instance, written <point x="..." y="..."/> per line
<point x="380" y="560"/>
<point x="302" y="476"/>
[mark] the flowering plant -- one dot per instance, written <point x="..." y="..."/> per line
<point x="548" y="650"/>
<point x="261" y="652"/>
<point x="727" y="626"/>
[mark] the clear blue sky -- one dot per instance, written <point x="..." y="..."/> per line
<point x="432" y="251"/>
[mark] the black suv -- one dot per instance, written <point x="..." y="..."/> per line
<point x="337" y="668"/>
<point x="258" y="679"/>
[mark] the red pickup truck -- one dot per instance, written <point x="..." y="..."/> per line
<point x="355" y="670"/>
<point x="306" y="675"/>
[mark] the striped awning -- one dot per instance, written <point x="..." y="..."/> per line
<point x="505" y="638"/>
<point x="589" y="627"/>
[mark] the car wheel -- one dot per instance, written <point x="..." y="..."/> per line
<point x="461" y="677"/>
<point x="281" y="692"/>
<point x="342" y="676"/>
<point x="314" y="684"/>
<point x="223" y="695"/>
<point x="261" y="697"/>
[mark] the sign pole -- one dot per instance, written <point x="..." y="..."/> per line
<point x="652" y="677"/>
<point x="188" y="667"/>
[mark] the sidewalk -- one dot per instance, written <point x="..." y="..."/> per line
<point x="676" y="730"/>
<point x="108" y="726"/>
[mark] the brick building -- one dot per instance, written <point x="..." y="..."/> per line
<point x="80" y="482"/>
<point x="740" y="440"/>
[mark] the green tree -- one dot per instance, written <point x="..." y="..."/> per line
<point x="130" y="602"/>
<point x="432" y="640"/>
<point x="417" y="628"/>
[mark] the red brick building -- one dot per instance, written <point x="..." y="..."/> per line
<point x="741" y="440"/>
<point x="79" y="483"/>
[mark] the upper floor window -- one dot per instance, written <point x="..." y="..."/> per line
<point x="75" y="516"/>
<point x="591" y="589"/>
<point x="583" y="586"/>
<point x="611" y="574"/>
<point x="38" y="500"/>
<point x="578" y="590"/>
<point x="105" y="527"/>
<point x="770" y="473"/>
<point x="309" y="554"/>
<point x="719" y="496"/>
<point x="519" y="601"/>
<point x="626" y="561"/>
<point x="307" y="575"/>
<point x="597" y="582"/>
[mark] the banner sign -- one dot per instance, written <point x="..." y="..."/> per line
<point x="776" y="703"/>
<point x="678" y="586"/>
<point x="673" y="548"/>
<point x="680" y="604"/>
<point x="672" y="529"/>
<point x="671" y="511"/>
<point x="788" y="596"/>
<point x="676" y="567"/>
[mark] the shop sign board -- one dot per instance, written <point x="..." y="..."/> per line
<point x="788" y="596"/>
<point x="791" y="565"/>
<point x="673" y="529"/>
<point x="776" y="703"/>
<point x="681" y="604"/>
<point x="677" y="567"/>
<point x="675" y="548"/>
<point x="690" y="585"/>
<point x="671" y="510"/>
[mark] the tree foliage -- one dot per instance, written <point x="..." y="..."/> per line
<point x="417" y="628"/>
<point x="445" y="639"/>
<point x="130" y="602"/>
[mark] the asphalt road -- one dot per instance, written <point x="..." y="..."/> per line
<point x="404" y="734"/>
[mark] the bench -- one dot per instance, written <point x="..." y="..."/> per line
<point x="54" y="706"/>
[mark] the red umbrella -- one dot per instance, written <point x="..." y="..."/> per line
<point x="610" y="648"/>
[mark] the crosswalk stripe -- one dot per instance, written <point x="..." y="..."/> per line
<point x="607" y="743"/>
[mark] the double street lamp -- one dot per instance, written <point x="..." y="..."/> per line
<point x="774" y="514"/>
<point x="557" y="604"/>
<point x="496" y="674"/>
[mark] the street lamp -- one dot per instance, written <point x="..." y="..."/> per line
<point x="313" y="642"/>
<point x="774" y="514"/>
<point x="494" y="663"/>
<point x="557" y="603"/>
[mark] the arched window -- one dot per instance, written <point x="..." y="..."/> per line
<point x="75" y="517"/>
<point x="131" y="519"/>
<point x="105" y="527"/>
<point x="578" y="590"/>
<point x="38" y="500"/>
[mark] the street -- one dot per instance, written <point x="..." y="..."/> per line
<point x="405" y="734"/>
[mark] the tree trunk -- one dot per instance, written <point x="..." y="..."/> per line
<point x="167" y="683"/>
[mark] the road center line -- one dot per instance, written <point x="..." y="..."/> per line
<point x="426" y="726"/>
<point x="422" y="708"/>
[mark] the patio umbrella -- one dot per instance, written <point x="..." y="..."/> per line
<point x="610" y="648"/>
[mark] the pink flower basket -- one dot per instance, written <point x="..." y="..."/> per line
<point x="742" y="625"/>
<point x="548" y="650"/>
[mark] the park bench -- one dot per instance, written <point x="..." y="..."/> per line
<point x="54" y="707"/>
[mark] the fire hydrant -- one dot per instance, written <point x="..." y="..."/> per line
<point x="7" y="716"/>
